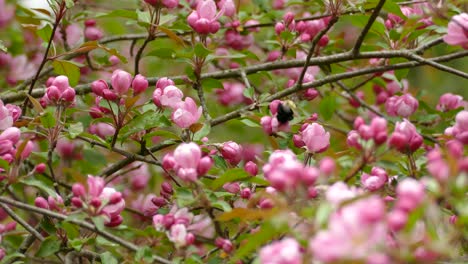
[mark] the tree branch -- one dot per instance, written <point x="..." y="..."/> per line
<point x="126" y="244"/>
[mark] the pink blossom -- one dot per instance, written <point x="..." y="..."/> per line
<point x="375" y="180"/>
<point x="232" y="152"/>
<point x="232" y="94"/>
<point x="238" y="41"/>
<point x="315" y="137"/>
<point x="102" y="130"/>
<point x="15" y="111"/>
<point x="340" y="192"/>
<point x="457" y="32"/>
<point x="285" y="251"/>
<point x="187" y="157"/>
<point x="405" y="137"/>
<point x="403" y="106"/>
<point x="410" y="194"/>
<point x="354" y="233"/>
<point x="121" y="81"/>
<point x="228" y="7"/>
<point x="145" y="204"/>
<point x="139" y="84"/>
<point x="251" y="168"/>
<point x="204" y="19"/>
<point x="186" y="113"/>
<point x="6" y="119"/>
<point x="100" y="200"/>
<point x="169" y="96"/>
<point x="449" y="101"/>
<point x="283" y="170"/>
<point x="460" y="129"/>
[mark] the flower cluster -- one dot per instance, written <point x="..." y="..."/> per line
<point x="187" y="162"/>
<point x="185" y="112"/>
<point x="99" y="200"/>
<point x="182" y="226"/>
<point x="375" y="131"/>
<point x="58" y="92"/>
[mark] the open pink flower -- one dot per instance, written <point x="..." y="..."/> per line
<point x="457" y="31"/>
<point x="284" y="251"/>
<point x="186" y="113"/>
<point x="6" y="119"/>
<point x="315" y="137"/>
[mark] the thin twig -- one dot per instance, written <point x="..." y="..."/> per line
<point x="367" y="27"/>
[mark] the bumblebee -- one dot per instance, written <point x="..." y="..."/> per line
<point x="285" y="112"/>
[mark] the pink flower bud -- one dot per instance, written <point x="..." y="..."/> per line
<point x="397" y="220"/>
<point x="224" y="244"/>
<point x="109" y="95"/>
<point x="310" y="94"/>
<point x="139" y="84"/>
<point x="158" y="201"/>
<point x="168" y="221"/>
<point x="410" y="194"/>
<point x="115" y="197"/>
<point x="53" y="93"/>
<point x="164" y="82"/>
<point x="312" y="192"/>
<point x="186" y="113"/>
<point x="403" y="106"/>
<point x="232" y="152"/>
<point x="279" y="27"/>
<point x="168" y="162"/>
<point x="68" y="95"/>
<point x="232" y="187"/>
<point x="99" y="86"/>
<point x="11" y="134"/>
<point x="78" y="190"/>
<point x="75" y="201"/>
<point x="167" y="188"/>
<point x="40" y="168"/>
<point x="93" y="33"/>
<point x="405" y="137"/>
<point x="327" y="166"/>
<point x="449" y="101"/>
<point x="41" y="203"/>
<point x="453" y="219"/>
<point x="121" y="81"/>
<point x="204" y="165"/>
<point x="310" y="175"/>
<point x="251" y="168"/>
<point x="246" y="193"/>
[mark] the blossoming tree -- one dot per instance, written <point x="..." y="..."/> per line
<point x="265" y="131"/>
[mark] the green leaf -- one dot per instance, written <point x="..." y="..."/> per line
<point x="201" y="51"/>
<point x="163" y="53"/>
<point x="249" y="92"/>
<point x="231" y="175"/>
<point x="69" y="3"/>
<point x="249" y="123"/>
<point x="327" y="107"/>
<point x="147" y="120"/>
<point x="45" y="32"/>
<point x="108" y="258"/>
<point x="121" y="13"/>
<point x="40" y="185"/>
<point x="98" y="222"/>
<point x="69" y="69"/>
<point x="223" y="205"/>
<point x="144" y="17"/>
<point x="394" y="8"/>
<point x="49" y="246"/>
<point x="75" y="129"/>
<point x="203" y="132"/>
<point x="255" y="241"/>
<point x="210" y="84"/>
<point x="71" y="229"/>
<point x="144" y="254"/>
<point x="48" y="120"/>
<point x="4" y="164"/>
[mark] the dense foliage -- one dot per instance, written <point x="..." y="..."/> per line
<point x="264" y="131"/>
